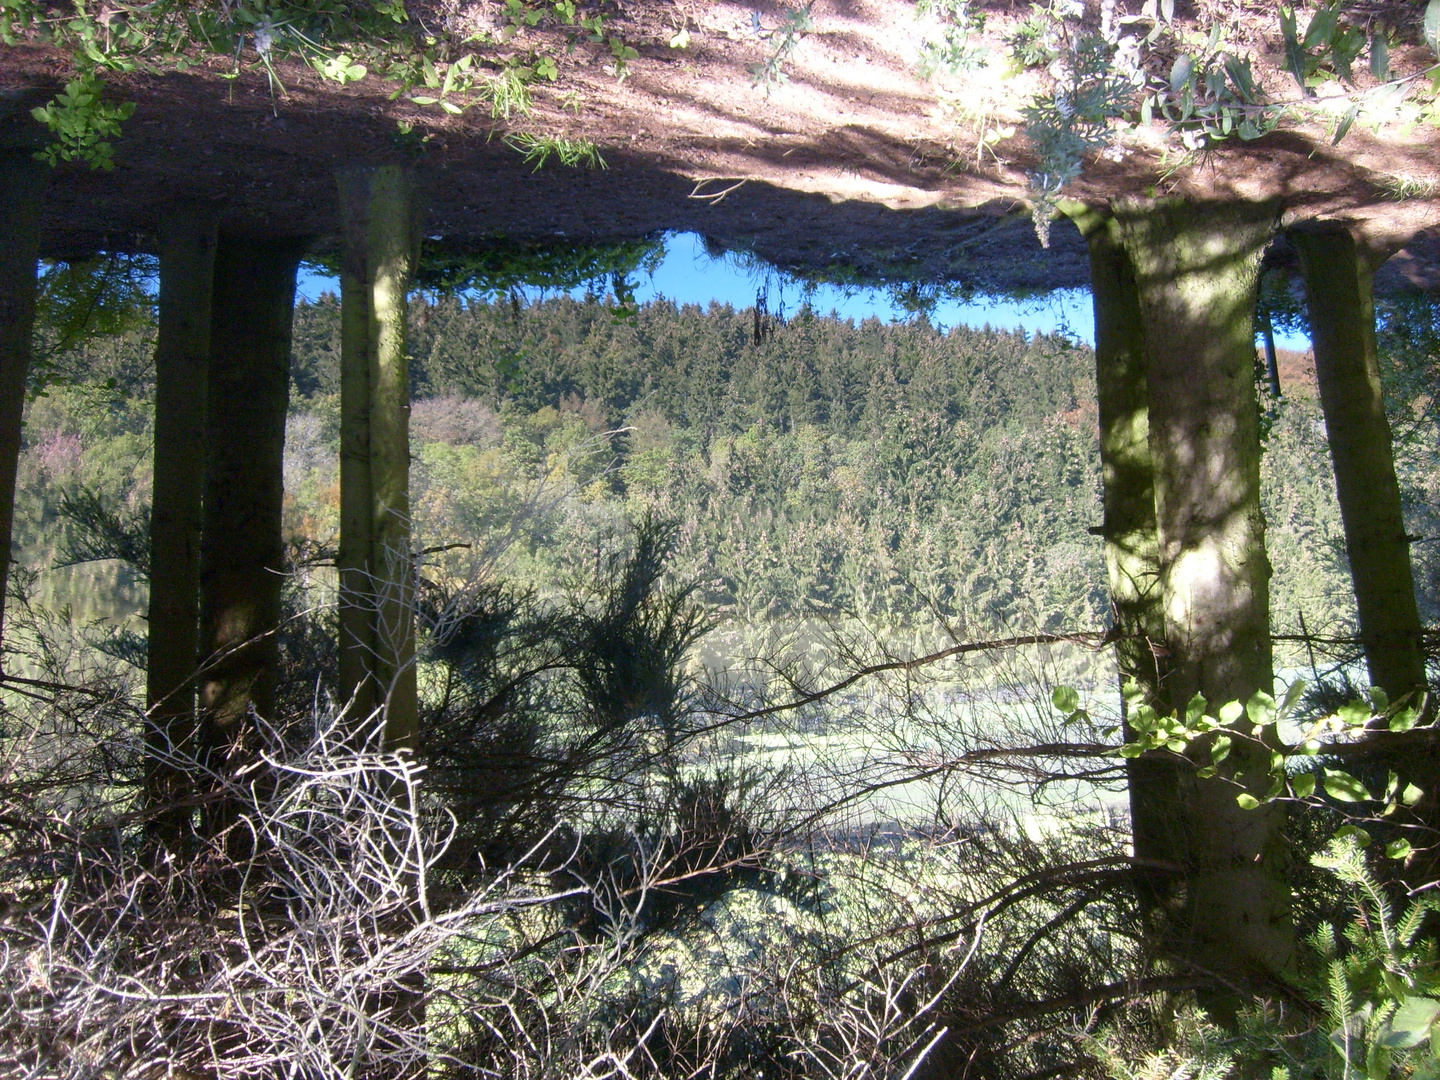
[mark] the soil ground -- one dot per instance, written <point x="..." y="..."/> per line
<point x="855" y="166"/>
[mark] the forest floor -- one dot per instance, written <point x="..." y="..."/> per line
<point x="852" y="164"/>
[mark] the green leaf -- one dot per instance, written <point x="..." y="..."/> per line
<point x="1303" y="784"/>
<point x="1354" y="713"/>
<point x="1322" y="27"/>
<point x="1411" y="795"/>
<point x="1347" y="832"/>
<point x="1432" y="25"/>
<point x="1341" y="130"/>
<point x="1261" y="709"/>
<point x="1230" y="712"/>
<point x="1379" y="53"/>
<point x="1404" y="720"/>
<point x="1132" y="750"/>
<point x="1247" y="801"/>
<point x="1244" y="82"/>
<point x="1195" y="709"/>
<point x="1344" y="787"/>
<point x="1398" y="849"/>
<point x="1379" y="700"/>
<point x="1410" y="1025"/>
<point x="1220" y="748"/>
<point x="1294" y="54"/>
<point x="1065" y="698"/>
<point x="1180" y="71"/>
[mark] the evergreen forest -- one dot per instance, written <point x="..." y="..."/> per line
<point x="890" y="473"/>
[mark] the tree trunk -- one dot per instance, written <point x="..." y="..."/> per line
<point x="1196" y="268"/>
<point x="381" y="226"/>
<point x="242" y="558"/>
<point x="1132" y="547"/>
<point x="22" y="180"/>
<point x="182" y="357"/>
<point x="1272" y="359"/>
<point x="1338" y="279"/>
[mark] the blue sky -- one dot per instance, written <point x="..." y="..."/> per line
<point x="687" y="275"/>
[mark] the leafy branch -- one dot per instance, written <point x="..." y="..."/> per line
<point x="794" y="24"/>
<point x="1295" y="769"/>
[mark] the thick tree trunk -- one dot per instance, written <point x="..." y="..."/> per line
<point x="1196" y="268"/>
<point x="1132" y="547"/>
<point x="182" y="358"/>
<point x="22" y="180"/>
<point x="1338" y="278"/>
<point x="242" y="551"/>
<point x="381" y="233"/>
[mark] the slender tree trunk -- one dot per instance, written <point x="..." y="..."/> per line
<point x="242" y="559"/>
<point x="1338" y="279"/>
<point x="22" y="180"/>
<point x="1196" y="268"/>
<point x="1272" y="359"/>
<point x="1132" y="546"/>
<point x="182" y="358"/>
<point x="1339" y="271"/>
<point x="381" y="232"/>
<point x="356" y="610"/>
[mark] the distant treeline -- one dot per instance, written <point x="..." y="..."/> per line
<point x="885" y="470"/>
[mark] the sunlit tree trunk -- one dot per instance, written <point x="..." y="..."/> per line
<point x="1338" y="276"/>
<point x="1132" y="547"/>
<point x="381" y="231"/>
<point x="182" y="357"/>
<point x="1196" y="268"/>
<point x="1272" y="358"/>
<point x="242" y="560"/>
<point x="22" y="180"/>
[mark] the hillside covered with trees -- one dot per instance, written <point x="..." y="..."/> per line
<point x="879" y="471"/>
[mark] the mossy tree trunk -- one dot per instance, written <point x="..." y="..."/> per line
<point x="22" y="180"/>
<point x="1196" y="269"/>
<point x="380" y="220"/>
<point x="242" y="562"/>
<point x="1338" y="276"/>
<point x="182" y="358"/>
<point x="1132" y="547"/>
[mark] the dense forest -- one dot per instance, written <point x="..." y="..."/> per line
<point x="879" y="471"/>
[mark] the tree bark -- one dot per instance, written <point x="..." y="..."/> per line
<point x="1338" y="277"/>
<point x="1272" y="359"/>
<point x="1132" y="546"/>
<point x="1196" y="268"/>
<point x="242" y="560"/>
<point x="22" y="179"/>
<point x="182" y="358"/>
<point x="381" y="234"/>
